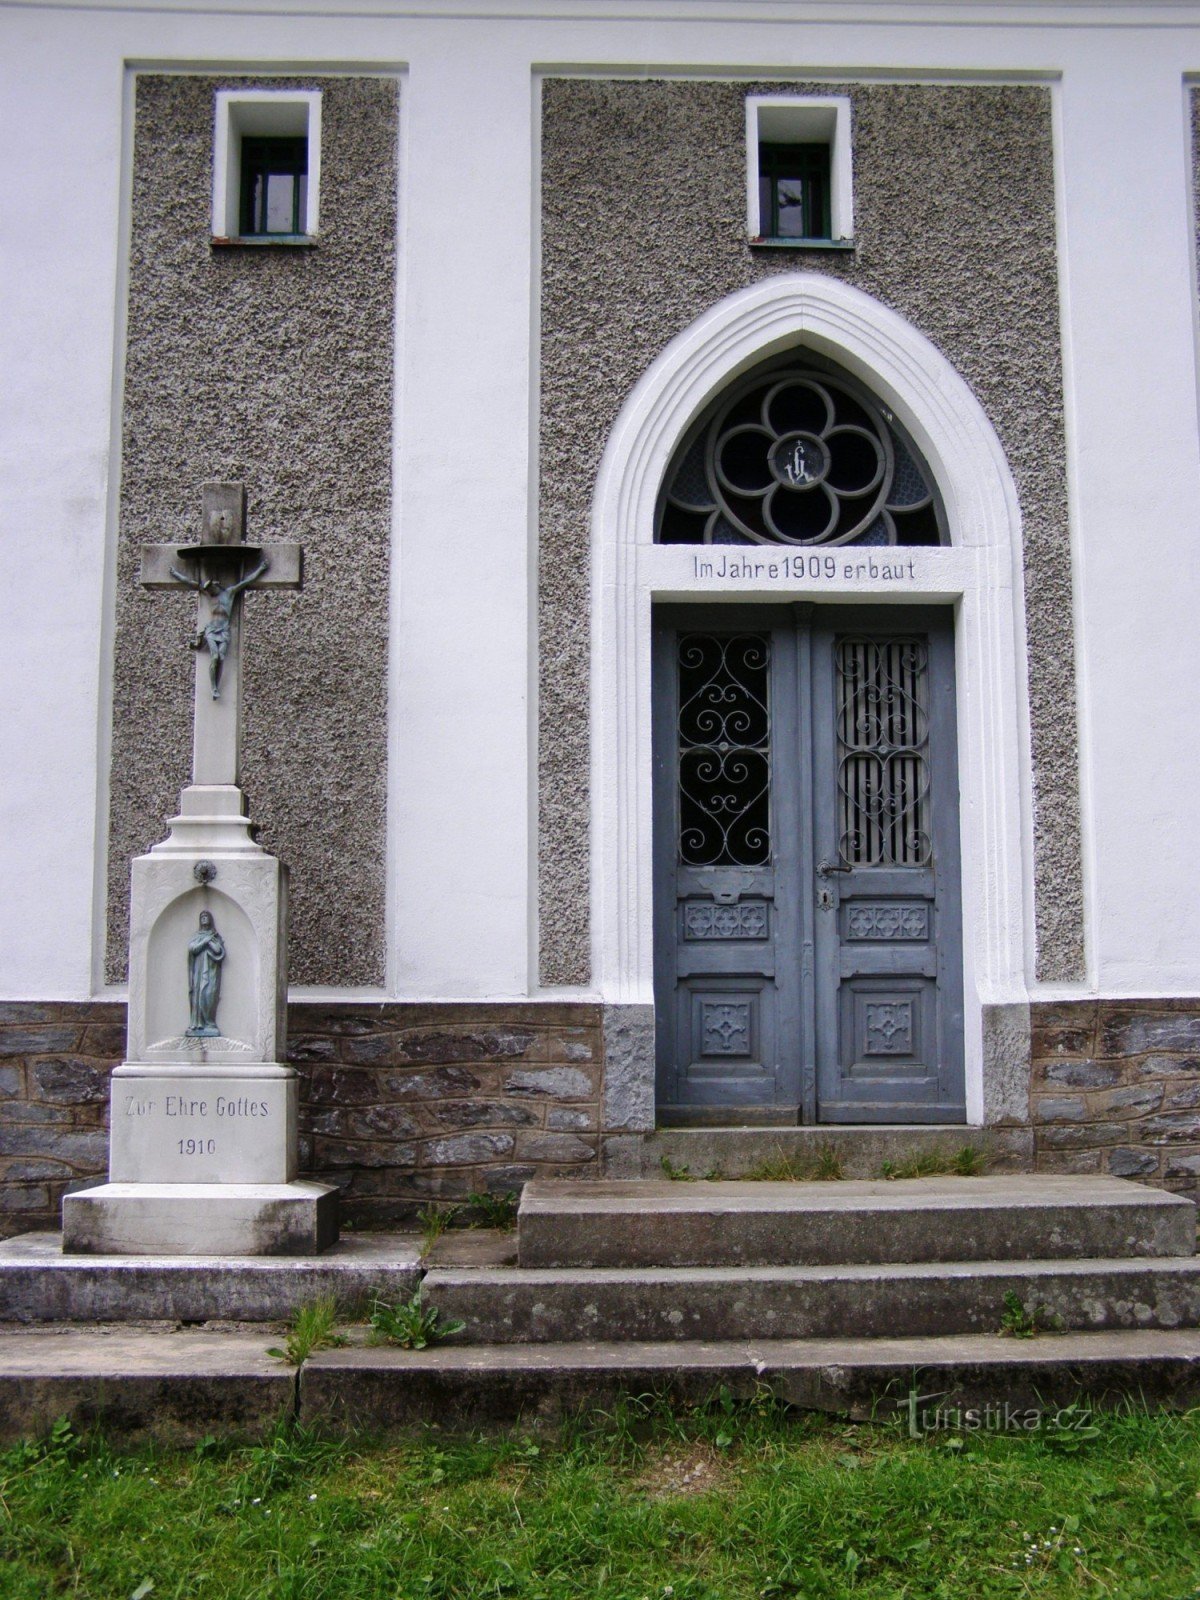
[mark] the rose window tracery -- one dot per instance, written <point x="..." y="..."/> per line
<point x="798" y="455"/>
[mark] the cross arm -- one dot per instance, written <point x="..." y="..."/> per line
<point x="286" y="570"/>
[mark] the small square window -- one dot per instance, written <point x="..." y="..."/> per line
<point x="266" y="165"/>
<point x="274" y="186"/>
<point x="798" y="172"/>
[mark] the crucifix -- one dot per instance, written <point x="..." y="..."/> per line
<point x="220" y="568"/>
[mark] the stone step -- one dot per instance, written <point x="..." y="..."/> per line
<point x="376" y="1389"/>
<point x="860" y="1151"/>
<point x="657" y="1222"/>
<point x="39" y="1284"/>
<point x="178" y="1388"/>
<point x="515" y="1305"/>
<point x="137" y="1385"/>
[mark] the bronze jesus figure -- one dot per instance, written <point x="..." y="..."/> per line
<point x="217" y="632"/>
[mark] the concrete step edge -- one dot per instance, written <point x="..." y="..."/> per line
<point x="1025" y="1191"/>
<point x="38" y="1284"/>
<point x="866" y="1379"/>
<point x="597" y="1354"/>
<point x="541" y="1278"/>
<point x="648" y="1223"/>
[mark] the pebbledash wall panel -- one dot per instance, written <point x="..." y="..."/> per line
<point x="644" y="228"/>
<point x="275" y="366"/>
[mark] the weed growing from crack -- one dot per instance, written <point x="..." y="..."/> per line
<point x="312" y="1329"/>
<point x="1019" y="1321"/>
<point x="411" y="1324"/>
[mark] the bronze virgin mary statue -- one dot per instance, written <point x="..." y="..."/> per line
<point x="206" y="951"/>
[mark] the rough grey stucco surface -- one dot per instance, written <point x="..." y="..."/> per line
<point x="273" y="366"/>
<point x="643" y="228"/>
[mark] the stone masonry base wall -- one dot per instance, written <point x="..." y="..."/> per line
<point x="1115" y="1087"/>
<point x="54" y="1065"/>
<point x="403" y="1104"/>
<point x="408" y="1103"/>
<point x="399" y="1104"/>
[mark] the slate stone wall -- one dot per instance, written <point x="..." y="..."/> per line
<point x="644" y="228"/>
<point x="404" y="1104"/>
<point x="1115" y="1087"/>
<point x="275" y="366"/>
<point x="400" y="1104"/>
<point x="54" y="1066"/>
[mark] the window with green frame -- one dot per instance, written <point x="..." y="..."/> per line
<point x="793" y="191"/>
<point x="274" y="194"/>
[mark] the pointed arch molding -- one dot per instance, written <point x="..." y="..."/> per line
<point x="980" y="573"/>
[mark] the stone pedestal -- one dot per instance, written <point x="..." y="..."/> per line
<point x="203" y="1137"/>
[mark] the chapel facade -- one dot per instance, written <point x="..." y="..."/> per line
<point x="745" y="461"/>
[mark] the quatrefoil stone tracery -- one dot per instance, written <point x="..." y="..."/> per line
<point x="801" y="456"/>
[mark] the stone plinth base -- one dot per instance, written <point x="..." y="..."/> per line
<point x="40" y="1284"/>
<point x="201" y="1219"/>
<point x="203" y="1126"/>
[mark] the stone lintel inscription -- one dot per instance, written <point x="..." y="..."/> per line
<point x="173" y="1127"/>
<point x="848" y="566"/>
<point x="192" y="1124"/>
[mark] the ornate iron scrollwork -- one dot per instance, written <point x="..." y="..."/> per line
<point x="724" y="750"/>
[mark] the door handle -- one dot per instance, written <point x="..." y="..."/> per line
<point x="826" y="868"/>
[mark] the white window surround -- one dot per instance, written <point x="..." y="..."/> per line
<point x="270" y="113"/>
<point x="979" y="574"/>
<point x="803" y="119"/>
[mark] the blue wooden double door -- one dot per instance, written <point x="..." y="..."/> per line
<point x="808" y="944"/>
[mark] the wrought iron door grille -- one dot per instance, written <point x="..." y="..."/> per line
<point x="724" y="751"/>
<point x="883" y="752"/>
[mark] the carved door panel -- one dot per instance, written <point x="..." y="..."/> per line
<point x="807" y="944"/>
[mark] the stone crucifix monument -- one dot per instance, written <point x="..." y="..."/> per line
<point x="203" y="1141"/>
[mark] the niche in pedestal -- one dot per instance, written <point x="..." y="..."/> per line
<point x="168" y="1003"/>
<point x="246" y="895"/>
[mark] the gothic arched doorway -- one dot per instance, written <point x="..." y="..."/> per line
<point x="807" y="923"/>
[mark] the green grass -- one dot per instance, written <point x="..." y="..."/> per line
<point x="434" y="1220"/>
<point x="725" y="1503"/>
<point x="484" y="1210"/>
<point x="826" y="1165"/>
<point x="967" y="1162"/>
<point x="478" y="1210"/>
<point x="823" y="1166"/>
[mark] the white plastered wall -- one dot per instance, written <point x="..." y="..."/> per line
<point x="462" y="888"/>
